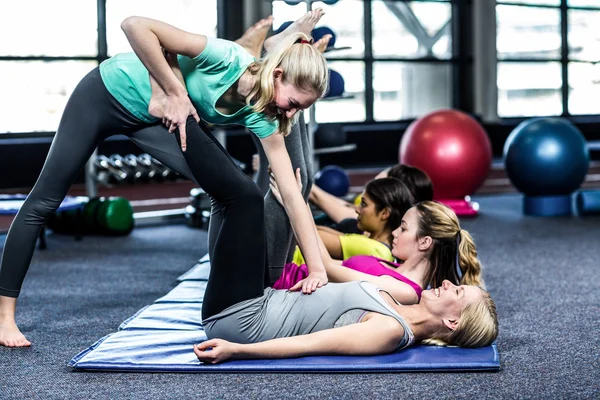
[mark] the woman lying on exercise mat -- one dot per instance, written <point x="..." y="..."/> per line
<point x="383" y="203"/>
<point x="430" y="245"/>
<point x="353" y="318"/>
<point x="344" y="214"/>
<point x="368" y="231"/>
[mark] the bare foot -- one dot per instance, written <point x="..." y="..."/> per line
<point x="253" y="39"/>
<point x="322" y="43"/>
<point x="11" y="336"/>
<point x="305" y="23"/>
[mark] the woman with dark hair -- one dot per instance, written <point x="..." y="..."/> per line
<point x="428" y="246"/>
<point x="383" y="203"/>
<point x="342" y="213"/>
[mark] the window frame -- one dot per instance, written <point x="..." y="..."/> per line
<point x="101" y="55"/>
<point x="564" y="58"/>
<point x="459" y="61"/>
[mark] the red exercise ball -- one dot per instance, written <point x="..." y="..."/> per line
<point x="452" y="148"/>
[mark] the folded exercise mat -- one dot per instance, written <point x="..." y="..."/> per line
<point x="198" y="272"/>
<point x="186" y="292"/>
<point x="160" y="338"/>
<point x="168" y="316"/>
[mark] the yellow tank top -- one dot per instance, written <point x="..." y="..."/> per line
<point x="354" y="244"/>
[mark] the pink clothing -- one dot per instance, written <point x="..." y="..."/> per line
<point x="293" y="273"/>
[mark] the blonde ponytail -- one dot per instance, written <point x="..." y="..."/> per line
<point x="468" y="261"/>
<point x="451" y="246"/>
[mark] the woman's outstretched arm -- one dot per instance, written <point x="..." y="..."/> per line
<point x="336" y="272"/>
<point x="336" y="209"/>
<point x="331" y="239"/>
<point x="377" y="334"/>
<point x="295" y="207"/>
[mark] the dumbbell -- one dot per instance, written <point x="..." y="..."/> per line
<point x="162" y="171"/>
<point x="145" y="165"/>
<point x="100" y="215"/>
<point x="107" y="172"/>
<point x="132" y="171"/>
<point x="132" y="162"/>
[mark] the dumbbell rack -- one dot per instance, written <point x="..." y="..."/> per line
<point x="143" y="217"/>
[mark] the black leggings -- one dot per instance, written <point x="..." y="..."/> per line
<point x="236" y="233"/>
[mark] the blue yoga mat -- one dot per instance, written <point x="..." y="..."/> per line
<point x="10" y="204"/>
<point x="160" y="338"/>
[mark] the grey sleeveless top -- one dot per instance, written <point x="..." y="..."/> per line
<point x="281" y="313"/>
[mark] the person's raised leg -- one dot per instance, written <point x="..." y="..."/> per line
<point x="88" y="117"/>
<point x="278" y="229"/>
<point x="238" y="253"/>
<point x="305" y="24"/>
<point x="253" y="39"/>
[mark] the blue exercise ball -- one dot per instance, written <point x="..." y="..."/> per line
<point x="337" y="86"/>
<point x="334" y="180"/>
<point x="546" y="157"/>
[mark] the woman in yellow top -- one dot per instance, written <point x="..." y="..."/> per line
<point x="342" y="212"/>
<point x="384" y="202"/>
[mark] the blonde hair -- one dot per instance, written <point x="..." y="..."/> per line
<point x="477" y="327"/>
<point x="441" y="224"/>
<point x="303" y="66"/>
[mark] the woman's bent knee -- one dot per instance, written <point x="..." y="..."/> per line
<point x="37" y="211"/>
<point x="250" y="194"/>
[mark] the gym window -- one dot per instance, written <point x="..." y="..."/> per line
<point x="403" y="71"/>
<point x="46" y="51"/>
<point x="548" y="57"/>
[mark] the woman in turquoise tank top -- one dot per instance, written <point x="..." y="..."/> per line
<point x="291" y="78"/>
<point x="114" y="98"/>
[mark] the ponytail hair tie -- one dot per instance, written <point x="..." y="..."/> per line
<point x="303" y="41"/>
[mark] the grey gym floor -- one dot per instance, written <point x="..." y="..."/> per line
<point x="542" y="273"/>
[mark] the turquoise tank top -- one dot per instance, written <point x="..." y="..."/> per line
<point x="207" y="76"/>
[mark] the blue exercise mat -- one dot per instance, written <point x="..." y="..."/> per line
<point x="10" y="204"/>
<point x="160" y="338"/>
<point x="198" y="272"/>
<point x="171" y="351"/>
